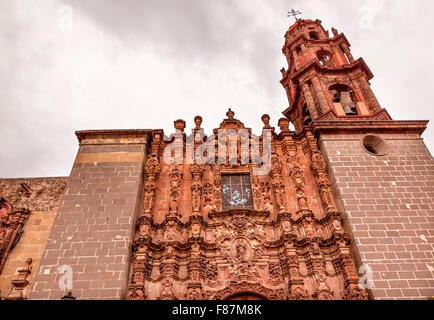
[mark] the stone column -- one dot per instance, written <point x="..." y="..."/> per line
<point x="348" y="52"/>
<point x="322" y="98"/>
<point x="309" y="100"/>
<point x="296" y="60"/>
<point x="338" y="56"/>
<point x="305" y="53"/>
<point x="373" y="103"/>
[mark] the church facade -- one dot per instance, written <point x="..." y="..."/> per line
<point x="342" y="208"/>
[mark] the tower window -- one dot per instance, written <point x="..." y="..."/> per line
<point x="236" y="192"/>
<point x="324" y="58"/>
<point x="344" y="95"/>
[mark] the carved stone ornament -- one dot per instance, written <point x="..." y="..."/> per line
<point x="247" y="288"/>
<point x="175" y="179"/>
<point x="283" y="245"/>
<point x="20" y="282"/>
<point x="11" y="228"/>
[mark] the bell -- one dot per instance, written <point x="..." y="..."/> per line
<point x="349" y="111"/>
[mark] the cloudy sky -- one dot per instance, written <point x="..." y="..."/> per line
<point x="69" y="65"/>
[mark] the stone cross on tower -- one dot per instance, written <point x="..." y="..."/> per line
<point x="294" y="13"/>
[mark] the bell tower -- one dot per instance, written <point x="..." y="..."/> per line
<point x="323" y="80"/>
<point x="381" y="172"/>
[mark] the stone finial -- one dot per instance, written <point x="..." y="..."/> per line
<point x="26" y="188"/>
<point x="283" y="124"/>
<point x="179" y="125"/>
<point x="230" y="114"/>
<point x="335" y="32"/>
<point x="198" y="121"/>
<point x="266" y="120"/>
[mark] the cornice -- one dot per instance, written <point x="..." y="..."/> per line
<point x="341" y="38"/>
<point x="116" y="134"/>
<point x="385" y="126"/>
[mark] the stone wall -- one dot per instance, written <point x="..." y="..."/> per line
<point x="93" y="230"/>
<point x="389" y="205"/>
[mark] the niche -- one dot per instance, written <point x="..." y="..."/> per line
<point x="314" y="35"/>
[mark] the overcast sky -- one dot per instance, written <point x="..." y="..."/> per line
<point x="70" y="65"/>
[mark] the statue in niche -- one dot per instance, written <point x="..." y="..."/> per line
<point x="195" y="230"/>
<point x="144" y="230"/>
<point x="301" y="198"/>
<point x="240" y="250"/>
<point x="318" y="161"/>
<point x="149" y="196"/>
<point x="297" y="177"/>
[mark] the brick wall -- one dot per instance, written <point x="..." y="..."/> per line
<point x="93" y="230"/>
<point x="389" y="206"/>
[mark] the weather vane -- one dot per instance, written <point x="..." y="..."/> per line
<point x="294" y="13"/>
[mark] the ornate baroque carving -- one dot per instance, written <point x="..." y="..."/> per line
<point x="152" y="170"/>
<point x="175" y="179"/>
<point x="11" y="227"/>
<point x="196" y="187"/>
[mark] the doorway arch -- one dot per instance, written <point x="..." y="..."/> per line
<point x="245" y="296"/>
<point x="248" y="289"/>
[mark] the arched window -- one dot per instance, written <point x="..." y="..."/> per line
<point x="324" y="58"/>
<point x="298" y="50"/>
